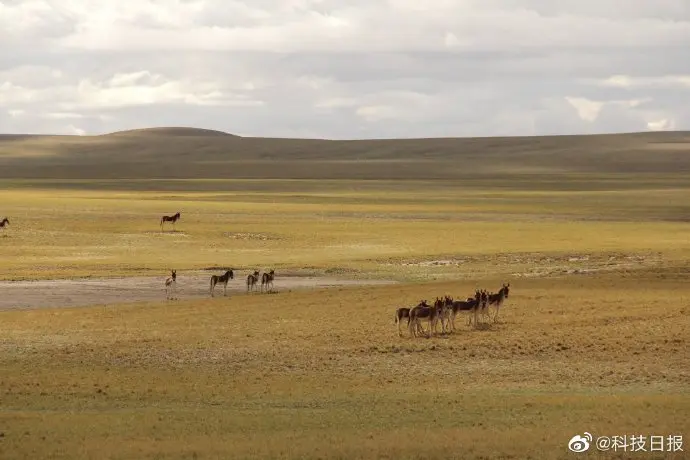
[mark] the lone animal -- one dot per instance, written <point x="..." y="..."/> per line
<point x="4" y="222"/>
<point x="172" y="219"/>
<point x="252" y="279"/>
<point x="171" y="285"/>
<point x="267" y="280"/>
<point x="216" y="279"/>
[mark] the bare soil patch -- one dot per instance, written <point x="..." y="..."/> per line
<point x="24" y="295"/>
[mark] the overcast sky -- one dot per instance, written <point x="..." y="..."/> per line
<point x="346" y="68"/>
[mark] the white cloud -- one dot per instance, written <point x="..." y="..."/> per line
<point x="346" y="68"/>
<point x="661" y="125"/>
<point x="16" y="113"/>
<point x="378" y="112"/>
<point x="626" y="81"/>
<point x="125" y="90"/>
<point x="586" y="109"/>
<point x="393" y="25"/>
<point x="451" y="40"/>
<point x="76" y="131"/>
<point x="63" y="115"/>
<point x="336" y="103"/>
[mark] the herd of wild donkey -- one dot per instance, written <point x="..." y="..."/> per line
<point x="445" y="309"/>
<point x="252" y="278"/>
<point x="252" y="281"/>
<point x="171" y="282"/>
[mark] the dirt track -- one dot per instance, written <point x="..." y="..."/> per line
<point x="19" y="295"/>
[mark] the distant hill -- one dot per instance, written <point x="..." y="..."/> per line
<point x="170" y="132"/>
<point x="179" y="152"/>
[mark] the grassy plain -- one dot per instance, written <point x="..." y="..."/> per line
<point x="594" y="335"/>
<point x="371" y="228"/>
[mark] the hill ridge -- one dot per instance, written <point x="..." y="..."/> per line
<point x="169" y="131"/>
<point x="160" y="153"/>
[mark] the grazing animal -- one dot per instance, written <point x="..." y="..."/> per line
<point x="172" y="219"/>
<point x="267" y="280"/>
<point x="423" y="311"/>
<point x="499" y="298"/>
<point x="4" y="222"/>
<point x="217" y="279"/>
<point x="171" y="285"/>
<point x="252" y="279"/>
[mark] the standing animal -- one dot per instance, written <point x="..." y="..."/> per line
<point x="172" y="219"/>
<point x="470" y="305"/>
<point x="171" y="285"/>
<point x="483" y="307"/>
<point x="440" y="304"/>
<point x="217" y="279"/>
<point x="267" y="280"/>
<point x="252" y="279"/>
<point x="404" y="312"/>
<point x="447" y="311"/>
<point x="4" y="222"/>
<point x="431" y="313"/>
<point x="400" y="314"/>
<point x="499" y="298"/>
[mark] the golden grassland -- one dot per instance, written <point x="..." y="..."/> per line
<point x="323" y="374"/>
<point x="62" y="233"/>
<point x="594" y="335"/>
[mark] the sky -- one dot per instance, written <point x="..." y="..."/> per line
<point x="346" y="69"/>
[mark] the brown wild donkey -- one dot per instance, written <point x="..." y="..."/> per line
<point x="172" y="219"/>
<point x="499" y="298"/>
<point x="431" y="313"/>
<point x="470" y="305"/>
<point x="224" y="278"/>
<point x="267" y="280"/>
<point x="404" y="312"/>
<point x="252" y="279"/>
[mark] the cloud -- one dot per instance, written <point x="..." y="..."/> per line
<point x="626" y="81"/>
<point x="123" y="90"/>
<point x="586" y="109"/>
<point x="346" y="68"/>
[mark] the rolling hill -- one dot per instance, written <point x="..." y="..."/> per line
<point x="178" y="152"/>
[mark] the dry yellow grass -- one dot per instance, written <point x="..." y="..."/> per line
<point x="67" y="233"/>
<point x="324" y="375"/>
